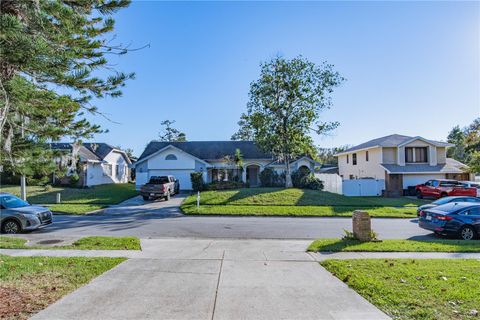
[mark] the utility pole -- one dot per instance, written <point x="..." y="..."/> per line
<point x="23" y="180"/>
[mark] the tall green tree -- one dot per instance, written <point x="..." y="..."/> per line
<point x="285" y="106"/>
<point x="327" y="155"/>
<point x="169" y="133"/>
<point x="456" y="136"/>
<point x="467" y="145"/>
<point x="53" y="62"/>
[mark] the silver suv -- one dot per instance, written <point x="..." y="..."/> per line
<point x="17" y="215"/>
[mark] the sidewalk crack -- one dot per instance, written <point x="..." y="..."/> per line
<point x="218" y="285"/>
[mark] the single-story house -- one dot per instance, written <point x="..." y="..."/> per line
<point x="98" y="163"/>
<point x="402" y="161"/>
<point x="180" y="159"/>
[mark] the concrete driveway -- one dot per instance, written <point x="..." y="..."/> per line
<point x="161" y="219"/>
<point x="215" y="279"/>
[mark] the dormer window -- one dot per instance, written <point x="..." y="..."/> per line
<point x="171" y="157"/>
<point x="416" y="155"/>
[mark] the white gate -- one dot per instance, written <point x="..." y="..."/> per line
<point x="363" y="187"/>
<point x="331" y="182"/>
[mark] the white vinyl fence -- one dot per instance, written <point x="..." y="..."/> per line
<point x="363" y="187"/>
<point x="331" y="182"/>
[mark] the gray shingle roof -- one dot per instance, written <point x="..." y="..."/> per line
<point x="209" y="150"/>
<point x="392" y="140"/>
<point x="421" y="168"/>
<point x="88" y="151"/>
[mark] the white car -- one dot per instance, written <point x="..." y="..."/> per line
<point x="471" y="184"/>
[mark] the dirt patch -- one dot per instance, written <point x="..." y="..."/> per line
<point x="21" y="301"/>
<point x="16" y="304"/>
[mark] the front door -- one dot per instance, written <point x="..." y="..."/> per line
<point x="252" y="176"/>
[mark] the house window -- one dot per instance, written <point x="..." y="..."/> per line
<point x="354" y="159"/>
<point x="347" y="158"/>
<point x="171" y="157"/>
<point x="416" y="155"/>
<point x="107" y="170"/>
<point x="366" y="156"/>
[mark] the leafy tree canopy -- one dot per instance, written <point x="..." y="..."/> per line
<point x="327" y="155"/>
<point x="169" y="133"/>
<point x="285" y="106"/>
<point x="467" y="145"/>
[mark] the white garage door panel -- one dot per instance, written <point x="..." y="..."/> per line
<point x="413" y="180"/>
<point x="183" y="176"/>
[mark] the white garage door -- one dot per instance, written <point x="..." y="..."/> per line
<point x="410" y="180"/>
<point x="183" y="176"/>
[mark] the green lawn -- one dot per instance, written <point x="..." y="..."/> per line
<point x="30" y="284"/>
<point x="87" y="243"/>
<point x="440" y="245"/>
<point x="296" y="202"/>
<point x="414" y="289"/>
<point x="74" y="200"/>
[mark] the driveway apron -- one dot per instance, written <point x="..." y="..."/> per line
<point x="215" y="279"/>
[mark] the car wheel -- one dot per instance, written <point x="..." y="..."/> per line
<point x="146" y="198"/>
<point x="167" y="197"/>
<point x="11" y="227"/>
<point x="419" y="194"/>
<point x="467" y="233"/>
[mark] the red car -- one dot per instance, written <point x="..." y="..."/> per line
<point x="443" y="188"/>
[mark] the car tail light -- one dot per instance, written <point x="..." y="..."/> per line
<point x="422" y="213"/>
<point x="444" y="218"/>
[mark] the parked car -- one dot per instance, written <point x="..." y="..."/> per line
<point x="17" y="215"/>
<point x="440" y="188"/>
<point x="160" y="187"/>
<point x="461" y="219"/>
<point x="445" y="200"/>
<point x="471" y="184"/>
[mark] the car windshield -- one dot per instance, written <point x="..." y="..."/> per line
<point x="10" y="202"/>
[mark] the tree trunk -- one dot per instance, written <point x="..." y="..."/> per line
<point x="288" y="174"/>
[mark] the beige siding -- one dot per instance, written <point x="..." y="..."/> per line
<point x="441" y="155"/>
<point x="363" y="169"/>
<point x="389" y="155"/>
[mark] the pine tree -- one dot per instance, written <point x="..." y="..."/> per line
<point x="52" y="55"/>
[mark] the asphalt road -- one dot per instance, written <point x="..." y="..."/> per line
<point x="164" y="219"/>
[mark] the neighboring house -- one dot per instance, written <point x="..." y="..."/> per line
<point x="402" y="161"/>
<point x="180" y="159"/>
<point x="99" y="163"/>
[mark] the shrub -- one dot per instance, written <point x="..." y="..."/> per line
<point x="74" y="178"/>
<point x="300" y="178"/>
<point x="314" y="183"/>
<point x="304" y="179"/>
<point x="224" y="185"/>
<point x="270" y="178"/>
<point x="197" y="181"/>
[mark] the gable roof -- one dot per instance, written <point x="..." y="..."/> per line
<point x="393" y="140"/>
<point x="209" y="150"/>
<point x="93" y="151"/>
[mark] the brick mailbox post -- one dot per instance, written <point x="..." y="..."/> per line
<point x="362" y="226"/>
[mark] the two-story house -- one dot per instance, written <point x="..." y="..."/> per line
<point x="402" y="161"/>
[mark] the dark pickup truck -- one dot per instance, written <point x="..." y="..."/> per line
<point x="160" y="187"/>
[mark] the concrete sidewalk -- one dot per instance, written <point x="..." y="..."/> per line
<point x="211" y="279"/>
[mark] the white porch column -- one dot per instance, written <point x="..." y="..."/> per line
<point x="205" y="176"/>
<point x="244" y="174"/>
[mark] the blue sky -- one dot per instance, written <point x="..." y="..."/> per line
<point x="412" y="67"/>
